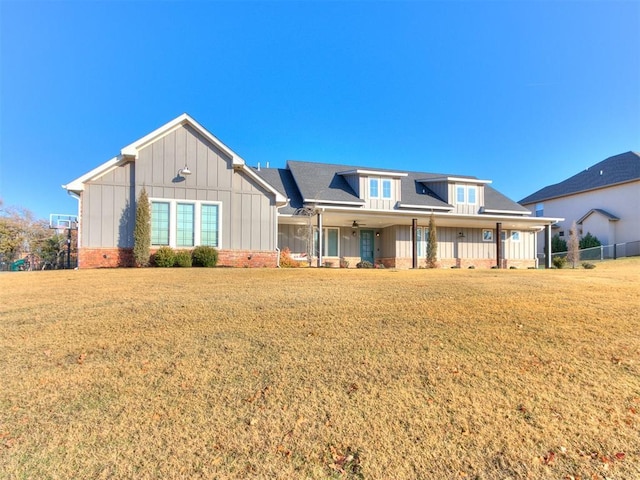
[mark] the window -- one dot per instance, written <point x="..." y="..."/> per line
<point x="373" y="187"/>
<point x="330" y="242"/>
<point x="159" y="223"/>
<point x="422" y="238"/>
<point x="487" y="235"/>
<point x="503" y="235"/>
<point x="466" y="194"/>
<point x="386" y="188"/>
<point x="515" y="236"/>
<point x="539" y="210"/>
<point x="185" y="225"/>
<point x="471" y="195"/>
<point x="209" y="225"/>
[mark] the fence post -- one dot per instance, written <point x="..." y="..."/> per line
<point x="614" y="251"/>
<point x="601" y="253"/>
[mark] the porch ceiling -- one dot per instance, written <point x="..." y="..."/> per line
<point x="379" y="220"/>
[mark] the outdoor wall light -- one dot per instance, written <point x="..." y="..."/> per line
<point x="183" y="172"/>
<point x="377" y="234"/>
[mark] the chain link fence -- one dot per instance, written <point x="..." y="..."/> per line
<point x="604" y="252"/>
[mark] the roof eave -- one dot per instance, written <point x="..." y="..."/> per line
<point x="528" y="201"/>
<point x="77" y="185"/>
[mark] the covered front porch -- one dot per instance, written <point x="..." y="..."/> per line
<point x="399" y="239"/>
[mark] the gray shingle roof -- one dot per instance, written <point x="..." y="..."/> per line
<point x="620" y="168"/>
<point x="320" y="181"/>
<point x="282" y="180"/>
<point x="416" y="193"/>
<point x="323" y="182"/>
<point x="494" y="200"/>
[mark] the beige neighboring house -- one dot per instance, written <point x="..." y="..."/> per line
<point x="603" y="200"/>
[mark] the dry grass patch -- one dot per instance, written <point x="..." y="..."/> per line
<point x="221" y="373"/>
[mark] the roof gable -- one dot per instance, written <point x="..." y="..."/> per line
<point x="609" y="216"/>
<point x="131" y="151"/>
<point x="621" y="168"/>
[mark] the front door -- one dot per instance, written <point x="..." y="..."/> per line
<point x="366" y="246"/>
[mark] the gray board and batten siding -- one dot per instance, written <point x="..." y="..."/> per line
<point x="248" y="212"/>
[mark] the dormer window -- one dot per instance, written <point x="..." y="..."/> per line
<point x="380" y="188"/>
<point x="375" y="184"/>
<point x="466" y="194"/>
<point x="471" y="195"/>
<point x="386" y="188"/>
<point x="373" y="187"/>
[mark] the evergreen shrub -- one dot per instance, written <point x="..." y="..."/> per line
<point x="183" y="258"/>
<point x="205" y="256"/>
<point x="364" y="264"/>
<point x="164" y="257"/>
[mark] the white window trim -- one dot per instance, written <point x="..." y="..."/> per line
<point x="371" y="179"/>
<point x="424" y="240"/>
<point x="475" y="201"/>
<point x="516" y="233"/>
<point x="381" y="191"/>
<point x="465" y="189"/>
<point x="490" y="239"/>
<point x="163" y="201"/>
<point x="197" y="221"/>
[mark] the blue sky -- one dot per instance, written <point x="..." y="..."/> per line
<point x="522" y="93"/>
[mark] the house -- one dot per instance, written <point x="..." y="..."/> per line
<point x="203" y="193"/>
<point x="603" y="200"/>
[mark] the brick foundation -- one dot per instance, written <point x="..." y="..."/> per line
<point x="483" y="263"/>
<point x="123" y="257"/>
<point x="247" y="258"/>
<point x="105" y="257"/>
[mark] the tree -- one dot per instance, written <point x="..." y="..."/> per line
<point x="558" y="244"/>
<point x="20" y="233"/>
<point x="142" y="231"/>
<point x="573" y="252"/>
<point x="53" y="251"/>
<point x="432" y="244"/>
<point x="589" y="241"/>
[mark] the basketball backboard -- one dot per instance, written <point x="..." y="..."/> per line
<point x="60" y="221"/>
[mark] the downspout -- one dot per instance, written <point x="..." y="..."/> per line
<point x="79" y="236"/>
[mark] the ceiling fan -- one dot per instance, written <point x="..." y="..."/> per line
<point x="355" y="224"/>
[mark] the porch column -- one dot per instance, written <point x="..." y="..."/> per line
<point x="499" y="245"/>
<point x="414" y="242"/>
<point x="547" y="246"/>
<point x="320" y="239"/>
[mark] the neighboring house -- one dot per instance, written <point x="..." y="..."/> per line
<point x="603" y="200"/>
<point x="203" y="193"/>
